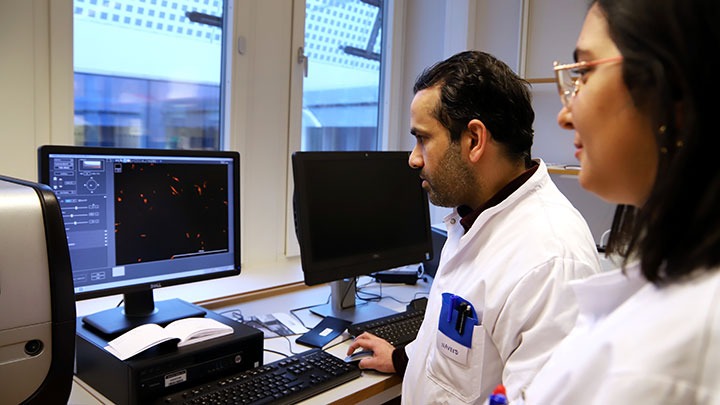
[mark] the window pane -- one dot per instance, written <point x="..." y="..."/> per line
<point x="146" y="76"/>
<point x="340" y="95"/>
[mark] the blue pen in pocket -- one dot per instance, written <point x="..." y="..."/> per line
<point x="458" y="318"/>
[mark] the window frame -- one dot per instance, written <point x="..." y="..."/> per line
<point x="389" y="97"/>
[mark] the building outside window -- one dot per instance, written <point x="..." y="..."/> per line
<point x="146" y="76"/>
<point x="341" y="92"/>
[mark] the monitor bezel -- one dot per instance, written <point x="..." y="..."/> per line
<point x="318" y="272"/>
<point x="44" y="153"/>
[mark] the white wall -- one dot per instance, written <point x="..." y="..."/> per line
<point x="36" y="101"/>
<point x="436" y="29"/>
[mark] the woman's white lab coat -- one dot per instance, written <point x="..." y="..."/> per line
<point x="635" y="343"/>
<point x="513" y="266"/>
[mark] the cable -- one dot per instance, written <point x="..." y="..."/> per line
<point x="292" y="311"/>
<point x="286" y="338"/>
<point x="427" y="293"/>
<point x="373" y="296"/>
<point x="289" y="345"/>
<point x="276" y="352"/>
<point x="376" y="297"/>
<point x="381" y="297"/>
<point x="397" y="300"/>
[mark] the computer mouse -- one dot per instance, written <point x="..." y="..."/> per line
<point x="357" y="356"/>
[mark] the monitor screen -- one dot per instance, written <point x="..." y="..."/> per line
<point x="138" y="219"/>
<point x="357" y="213"/>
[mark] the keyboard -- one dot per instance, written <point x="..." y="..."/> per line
<point x="398" y="329"/>
<point x="285" y="381"/>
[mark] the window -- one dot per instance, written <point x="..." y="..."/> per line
<point x="341" y="92"/>
<point x="147" y="84"/>
<point x="339" y="106"/>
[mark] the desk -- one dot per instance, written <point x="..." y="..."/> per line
<point x="371" y="388"/>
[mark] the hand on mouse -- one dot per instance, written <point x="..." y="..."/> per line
<point x="382" y="352"/>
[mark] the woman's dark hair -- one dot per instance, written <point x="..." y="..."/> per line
<point x="476" y="85"/>
<point x="670" y="69"/>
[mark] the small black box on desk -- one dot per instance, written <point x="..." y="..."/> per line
<point x="165" y="368"/>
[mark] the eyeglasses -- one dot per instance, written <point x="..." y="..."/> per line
<point x="568" y="76"/>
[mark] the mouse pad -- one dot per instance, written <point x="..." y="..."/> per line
<point x="327" y="330"/>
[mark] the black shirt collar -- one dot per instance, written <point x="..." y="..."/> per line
<point x="468" y="216"/>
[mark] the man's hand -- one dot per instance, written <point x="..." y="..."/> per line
<point x="382" y="352"/>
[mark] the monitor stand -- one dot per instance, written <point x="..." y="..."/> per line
<point x="344" y="306"/>
<point x="140" y="309"/>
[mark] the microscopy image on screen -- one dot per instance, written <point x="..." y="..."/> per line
<point x="169" y="211"/>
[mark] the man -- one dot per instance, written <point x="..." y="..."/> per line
<point x="499" y="303"/>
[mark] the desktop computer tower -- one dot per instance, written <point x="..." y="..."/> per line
<point x="166" y="368"/>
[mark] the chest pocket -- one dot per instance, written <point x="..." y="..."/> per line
<point x="465" y="382"/>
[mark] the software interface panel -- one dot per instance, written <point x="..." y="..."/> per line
<point x="132" y="219"/>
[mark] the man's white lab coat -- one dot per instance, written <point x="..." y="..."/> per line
<point x="513" y="265"/>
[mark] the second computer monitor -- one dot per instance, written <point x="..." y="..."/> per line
<point x="358" y="213"/>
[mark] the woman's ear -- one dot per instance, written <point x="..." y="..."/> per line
<point x="478" y="137"/>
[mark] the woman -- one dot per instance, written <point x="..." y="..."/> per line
<point x="643" y="113"/>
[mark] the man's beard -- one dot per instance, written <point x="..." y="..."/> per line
<point x="452" y="180"/>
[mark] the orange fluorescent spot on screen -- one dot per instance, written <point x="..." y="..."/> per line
<point x="145" y="200"/>
<point x="188" y="235"/>
<point x="197" y="236"/>
<point x="119" y="199"/>
<point x="198" y="189"/>
<point x="176" y="179"/>
<point x="174" y="191"/>
<point x="142" y="235"/>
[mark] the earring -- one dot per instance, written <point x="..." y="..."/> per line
<point x="661" y="131"/>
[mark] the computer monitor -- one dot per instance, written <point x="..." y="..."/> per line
<point x="357" y="213"/>
<point x="139" y="219"/>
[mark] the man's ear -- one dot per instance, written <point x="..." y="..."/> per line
<point x="479" y="137"/>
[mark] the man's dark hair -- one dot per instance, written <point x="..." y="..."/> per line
<point x="669" y="70"/>
<point x="476" y="85"/>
